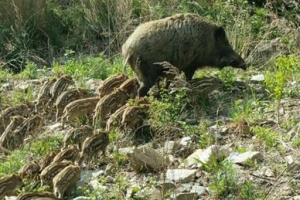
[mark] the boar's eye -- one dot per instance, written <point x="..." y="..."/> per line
<point x="220" y="34"/>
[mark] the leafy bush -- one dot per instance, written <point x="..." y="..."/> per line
<point x="284" y="70"/>
<point x="167" y="110"/>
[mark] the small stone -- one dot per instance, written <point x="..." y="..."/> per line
<point x="289" y="159"/>
<point x="170" y="147"/>
<point x="149" y="194"/>
<point x="171" y="158"/>
<point x="216" y="131"/>
<point x="268" y="172"/>
<point x="200" y="190"/>
<point x="185" y="141"/>
<point x="243" y="158"/>
<point x="97" y="173"/>
<point x="180" y="175"/>
<point x="11" y="197"/>
<point x="6" y="86"/>
<point x="167" y="185"/>
<point x="82" y="198"/>
<point x="109" y="179"/>
<point x="264" y="171"/>
<point x="258" y="78"/>
<point x="54" y="127"/>
<point x="98" y="186"/>
<point x="124" y="151"/>
<point x="23" y="86"/>
<point x="185" y="187"/>
<point x="200" y="157"/>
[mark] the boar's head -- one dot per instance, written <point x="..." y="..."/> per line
<point x="224" y="53"/>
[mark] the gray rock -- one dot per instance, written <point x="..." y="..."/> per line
<point x="170" y="147"/>
<point x="146" y="159"/>
<point x="217" y="130"/>
<point x="200" y="190"/>
<point x="98" y="186"/>
<point x="185" y="141"/>
<point x="82" y="198"/>
<point x="166" y="185"/>
<point x="200" y="157"/>
<point x="263" y="171"/>
<point x="258" y="78"/>
<point x="124" y="151"/>
<point x="180" y="175"/>
<point x="6" y="86"/>
<point x="149" y="194"/>
<point x="90" y="177"/>
<point x="10" y="197"/>
<point x="184" y="187"/>
<point x="243" y="158"/>
<point x="98" y="172"/>
<point x="109" y="179"/>
<point x="23" y="86"/>
<point x="295" y="198"/>
<point x="54" y="127"/>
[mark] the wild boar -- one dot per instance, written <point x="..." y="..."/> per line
<point x="187" y="41"/>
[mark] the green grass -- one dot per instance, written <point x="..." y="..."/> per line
<point x="224" y="183"/>
<point x="268" y="137"/>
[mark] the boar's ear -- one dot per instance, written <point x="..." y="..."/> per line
<point x="220" y="33"/>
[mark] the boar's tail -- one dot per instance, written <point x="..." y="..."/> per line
<point x="124" y="65"/>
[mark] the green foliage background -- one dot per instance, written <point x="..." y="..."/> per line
<point x="44" y="30"/>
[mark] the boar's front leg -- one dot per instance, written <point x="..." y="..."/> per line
<point x="189" y="72"/>
<point x="148" y="75"/>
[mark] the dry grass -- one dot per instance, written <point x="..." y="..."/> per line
<point x="22" y="11"/>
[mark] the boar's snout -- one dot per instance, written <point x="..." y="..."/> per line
<point x="238" y="62"/>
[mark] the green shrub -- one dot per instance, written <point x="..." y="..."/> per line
<point x="166" y="111"/>
<point x="266" y="136"/>
<point x="30" y="71"/>
<point x="285" y="69"/>
<point x="225" y="184"/>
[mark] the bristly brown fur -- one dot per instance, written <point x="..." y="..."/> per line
<point x="186" y="41"/>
